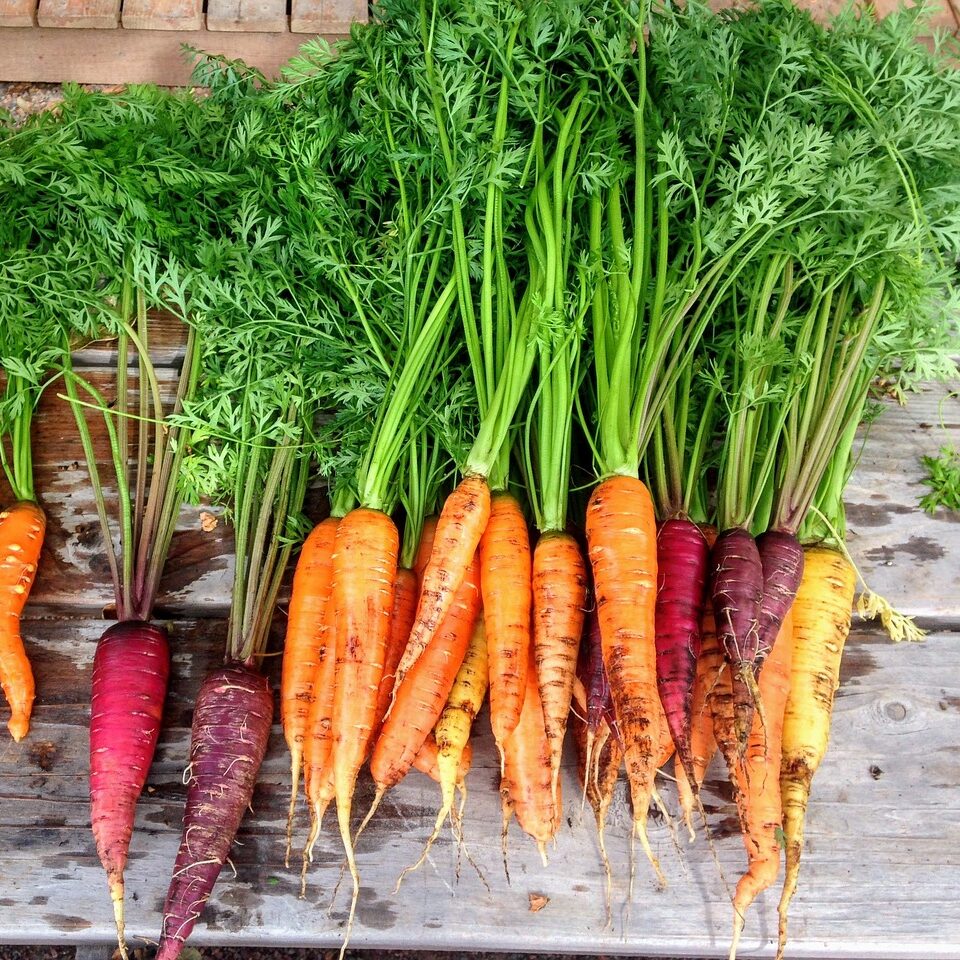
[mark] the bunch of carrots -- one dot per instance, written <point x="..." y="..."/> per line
<point x="581" y="357"/>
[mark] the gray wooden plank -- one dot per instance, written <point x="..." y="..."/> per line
<point x="884" y="828"/>
<point x="911" y="558"/>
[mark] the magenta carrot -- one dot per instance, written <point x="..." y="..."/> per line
<point x="682" y="560"/>
<point x="130" y="671"/>
<point x="231" y="725"/>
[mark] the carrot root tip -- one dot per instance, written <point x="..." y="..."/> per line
<point x="116" y="895"/>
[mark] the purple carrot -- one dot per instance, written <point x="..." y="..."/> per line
<point x="682" y="560"/>
<point x="600" y="719"/>
<point x="130" y="671"/>
<point x="782" y="559"/>
<point x="736" y="590"/>
<point x="231" y="725"/>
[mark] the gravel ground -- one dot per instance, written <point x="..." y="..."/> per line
<point x="20" y="100"/>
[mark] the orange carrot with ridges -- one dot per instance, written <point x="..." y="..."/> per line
<point x="758" y="776"/>
<point x="405" y="590"/>
<point x="458" y="532"/>
<point x="559" y="599"/>
<point x="505" y="580"/>
<point x="622" y="545"/>
<point x="703" y="744"/>
<point x="304" y="647"/>
<point x="22" y="526"/>
<point x="364" y="570"/>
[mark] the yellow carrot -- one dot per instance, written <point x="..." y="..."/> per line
<point x="821" y="622"/>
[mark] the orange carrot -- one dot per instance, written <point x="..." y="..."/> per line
<point x="458" y="532"/>
<point x="622" y="544"/>
<point x="427" y="761"/>
<point x="304" y="647"/>
<point x="505" y="579"/>
<point x="421" y="697"/>
<point x="405" y="588"/>
<point x="758" y="775"/>
<point x="665" y="748"/>
<point x="22" y="526"/>
<point x="559" y="599"/>
<point x="364" y="570"/>
<point x="703" y="744"/>
<point x="428" y="534"/>
<point x="526" y="772"/>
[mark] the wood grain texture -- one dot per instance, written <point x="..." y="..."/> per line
<point x="248" y="15"/>
<point x="137" y="56"/>
<point x="163" y="14"/>
<point x="883" y="826"/>
<point x="873" y="837"/>
<point x="82" y="14"/>
<point x="18" y="13"/>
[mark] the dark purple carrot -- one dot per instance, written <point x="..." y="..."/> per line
<point x="781" y="557"/>
<point x="600" y="719"/>
<point x="736" y="591"/>
<point x="231" y="725"/>
<point x="130" y="671"/>
<point x="682" y="560"/>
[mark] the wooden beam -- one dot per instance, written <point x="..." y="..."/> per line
<point x="18" y="13"/>
<point x="163" y="14"/>
<point x="248" y="15"/>
<point x="131" y="56"/>
<point x="80" y="14"/>
<point x="318" y="16"/>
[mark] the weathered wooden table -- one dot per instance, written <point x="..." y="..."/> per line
<point x="882" y="862"/>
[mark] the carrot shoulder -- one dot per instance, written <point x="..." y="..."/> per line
<point x="22" y="526"/>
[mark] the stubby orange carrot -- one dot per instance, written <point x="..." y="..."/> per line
<point x="505" y="579"/>
<point x="305" y="646"/>
<point x="821" y="621"/>
<point x="703" y="744"/>
<point x="22" y="527"/>
<point x="622" y="545"/>
<point x="758" y="776"/>
<point x="559" y="599"/>
<point x="526" y="773"/>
